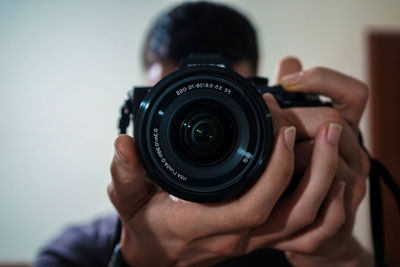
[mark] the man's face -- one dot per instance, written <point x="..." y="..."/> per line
<point x="159" y="70"/>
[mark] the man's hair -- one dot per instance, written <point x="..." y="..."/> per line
<point x="202" y="28"/>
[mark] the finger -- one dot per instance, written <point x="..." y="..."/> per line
<point x="318" y="177"/>
<point x="278" y="116"/>
<point x="264" y="194"/>
<point x="299" y="209"/>
<point x="302" y="154"/>
<point x="332" y="218"/>
<point x="287" y="66"/>
<point x="254" y="207"/>
<point x="355" y="190"/>
<point x="349" y="95"/>
<point x="308" y="121"/>
<point x="270" y="100"/>
<point x="129" y="188"/>
<point x="249" y="210"/>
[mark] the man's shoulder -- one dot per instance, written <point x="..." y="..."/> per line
<point x="83" y="245"/>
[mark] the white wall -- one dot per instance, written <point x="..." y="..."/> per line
<point x="65" y="67"/>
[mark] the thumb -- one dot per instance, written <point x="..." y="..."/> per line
<point x="129" y="188"/>
<point x="288" y="65"/>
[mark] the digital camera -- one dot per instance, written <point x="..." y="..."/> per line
<point x="204" y="133"/>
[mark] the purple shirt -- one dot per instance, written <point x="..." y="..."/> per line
<point x="92" y="245"/>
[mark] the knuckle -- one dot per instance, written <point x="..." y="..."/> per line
<point x="179" y="232"/>
<point x="226" y="246"/>
<point x="254" y="218"/>
<point x="249" y="217"/>
<point x="310" y="246"/>
<point x="334" y="115"/>
<point x="363" y="93"/>
<point x="112" y="195"/>
<point x="359" y="191"/>
<point x="284" y="174"/>
<point x="292" y="256"/>
<point x="110" y="190"/>
<point x="358" y="96"/>
<point x="290" y="117"/>
<point x="117" y="202"/>
<point x="317" y="72"/>
<point x="340" y="220"/>
<point x="336" y="222"/>
<point x="114" y="169"/>
<point x="332" y="167"/>
<point x="175" y="231"/>
<point x="290" y="60"/>
<point x="360" y="178"/>
<point x="123" y="173"/>
<point x="287" y="174"/>
<point x="172" y="225"/>
<point x="304" y="218"/>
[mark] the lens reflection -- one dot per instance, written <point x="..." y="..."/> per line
<point x="206" y="133"/>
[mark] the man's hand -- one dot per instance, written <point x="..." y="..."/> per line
<point x="328" y="239"/>
<point x="158" y="230"/>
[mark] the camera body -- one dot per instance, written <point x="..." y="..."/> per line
<point x="204" y="133"/>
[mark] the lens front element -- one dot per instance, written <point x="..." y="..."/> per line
<point x="207" y="132"/>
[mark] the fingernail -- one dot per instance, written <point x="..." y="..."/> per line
<point x="290" y="137"/>
<point x="118" y="155"/>
<point x="291" y="81"/>
<point x="340" y="189"/>
<point x="270" y="99"/>
<point x="290" y="87"/>
<point x="268" y="96"/>
<point x="334" y="131"/>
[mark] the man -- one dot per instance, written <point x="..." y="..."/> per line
<point x="310" y="227"/>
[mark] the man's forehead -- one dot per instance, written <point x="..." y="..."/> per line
<point x="159" y="70"/>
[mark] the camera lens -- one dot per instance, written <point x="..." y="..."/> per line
<point x="203" y="134"/>
<point x="206" y="134"/>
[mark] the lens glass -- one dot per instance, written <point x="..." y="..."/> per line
<point x="204" y="133"/>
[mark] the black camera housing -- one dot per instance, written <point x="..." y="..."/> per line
<point x="204" y="133"/>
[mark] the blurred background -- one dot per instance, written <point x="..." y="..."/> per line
<point x="65" y="67"/>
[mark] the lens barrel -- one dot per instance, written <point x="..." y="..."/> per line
<point x="204" y="134"/>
